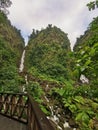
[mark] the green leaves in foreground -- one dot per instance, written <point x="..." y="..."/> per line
<point x="36" y="91"/>
<point x="78" y="102"/>
<point x="10" y="79"/>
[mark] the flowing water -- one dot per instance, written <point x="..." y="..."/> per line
<point x="21" y="68"/>
<point x="22" y="62"/>
<point x="84" y="79"/>
<point x="55" y="117"/>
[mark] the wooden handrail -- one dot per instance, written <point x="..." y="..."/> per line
<point x="23" y="108"/>
<point x="40" y="121"/>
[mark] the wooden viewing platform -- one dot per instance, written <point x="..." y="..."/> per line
<point x="21" y="112"/>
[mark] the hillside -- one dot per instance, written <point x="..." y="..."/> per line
<point x="86" y="52"/>
<point x="54" y="75"/>
<point x="11" y="47"/>
<point x="11" y="34"/>
<point x="86" y="65"/>
<point x="47" y="54"/>
<point x="49" y="63"/>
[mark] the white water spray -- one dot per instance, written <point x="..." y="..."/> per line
<point x="83" y="79"/>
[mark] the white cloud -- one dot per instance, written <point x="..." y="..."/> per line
<point x="72" y="17"/>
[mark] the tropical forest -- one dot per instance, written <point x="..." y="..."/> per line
<point x="64" y="82"/>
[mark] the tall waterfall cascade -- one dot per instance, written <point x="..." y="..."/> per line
<point x="22" y="62"/>
<point x="21" y="68"/>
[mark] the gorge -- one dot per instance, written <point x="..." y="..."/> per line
<point x="51" y="72"/>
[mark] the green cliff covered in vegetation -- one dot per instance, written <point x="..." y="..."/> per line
<point x="86" y="53"/>
<point x="11" y="47"/>
<point x="83" y="100"/>
<point x="69" y="79"/>
<point x="47" y="54"/>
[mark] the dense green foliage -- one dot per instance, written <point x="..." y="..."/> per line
<point x="11" y="34"/>
<point x="50" y="64"/>
<point x="49" y="58"/>
<point x="11" y="47"/>
<point x="79" y="103"/>
<point x="86" y="53"/>
<point x="36" y="91"/>
<point x="48" y="54"/>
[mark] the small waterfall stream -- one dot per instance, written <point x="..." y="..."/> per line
<point x="55" y="117"/>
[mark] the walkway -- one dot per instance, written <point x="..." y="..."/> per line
<point x="9" y="124"/>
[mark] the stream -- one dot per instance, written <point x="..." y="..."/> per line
<point x="55" y="116"/>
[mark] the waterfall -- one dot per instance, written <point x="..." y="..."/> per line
<point x="21" y="70"/>
<point x="22" y="62"/>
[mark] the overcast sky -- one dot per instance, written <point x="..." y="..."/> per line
<point x="72" y="16"/>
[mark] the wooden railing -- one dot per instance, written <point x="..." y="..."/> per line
<point x="14" y="106"/>
<point x="23" y="108"/>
